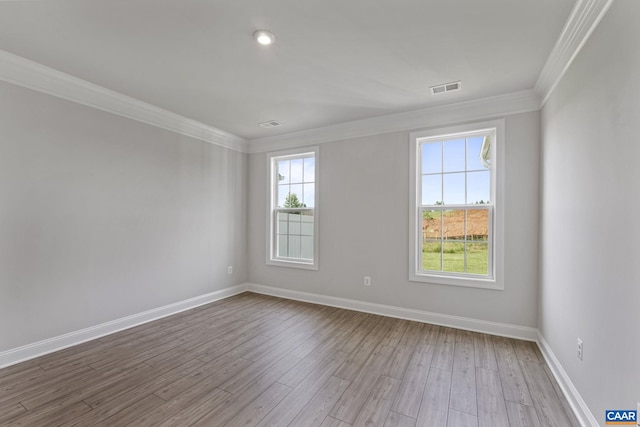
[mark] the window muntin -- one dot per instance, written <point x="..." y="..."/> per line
<point x="293" y="221"/>
<point x="456" y="222"/>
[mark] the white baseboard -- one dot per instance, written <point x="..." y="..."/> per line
<point x="493" y="328"/>
<point x="580" y="408"/>
<point x="40" y="348"/>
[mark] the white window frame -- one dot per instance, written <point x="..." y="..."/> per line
<point x="272" y="200"/>
<point x="496" y="227"/>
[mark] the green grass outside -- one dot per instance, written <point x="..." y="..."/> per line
<point x="453" y="257"/>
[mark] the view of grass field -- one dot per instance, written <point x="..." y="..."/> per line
<point x="451" y="257"/>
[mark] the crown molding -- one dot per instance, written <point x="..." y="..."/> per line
<point x="20" y="71"/>
<point x="584" y="18"/>
<point x="484" y="108"/>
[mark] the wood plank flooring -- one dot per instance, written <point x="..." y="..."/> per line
<point x="255" y="360"/>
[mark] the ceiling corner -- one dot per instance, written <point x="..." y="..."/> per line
<point x="477" y="109"/>
<point x="584" y="18"/>
<point x="23" y="72"/>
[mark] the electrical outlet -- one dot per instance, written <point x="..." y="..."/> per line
<point x="580" y="349"/>
<point x="230" y="269"/>
<point x="367" y="280"/>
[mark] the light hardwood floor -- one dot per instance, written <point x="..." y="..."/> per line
<point x="257" y="360"/>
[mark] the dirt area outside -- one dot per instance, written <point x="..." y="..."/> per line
<point x="452" y="226"/>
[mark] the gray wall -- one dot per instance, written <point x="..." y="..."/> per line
<point x="364" y="214"/>
<point x="590" y="281"/>
<point x="103" y="217"/>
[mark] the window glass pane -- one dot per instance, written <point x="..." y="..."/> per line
<point x="454" y="155"/>
<point x="431" y="225"/>
<point x="281" y="250"/>
<point x="453" y="223"/>
<point x="431" y="157"/>
<point x="431" y="189"/>
<point x="306" y="247"/>
<point x="294" y="197"/>
<point x="477" y="225"/>
<point x="308" y="195"/>
<point x="478" y="187"/>
<point x="309" y="169"/>
<point x="453" y="184"/>
<point x="294" y="247"/>
<point x="453" y="257"/>
<point x="296" y="171"/>
<point x="477" y="258"/>
<point x="306" y="227"/>
<point x="431" y="255"/>
<point x="283" y="171"/>
<point x="283" y="223"/>
<point x="283" y="192"/>
<point x="473" y="153"/>
<point x="294" y="223"/>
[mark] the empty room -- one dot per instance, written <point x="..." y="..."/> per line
<point x="329" y="213"/>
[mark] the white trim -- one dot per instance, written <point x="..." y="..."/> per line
<point x="484" y="326"/>
<point x="20" y="71"/>
<point x="40" y="348"/>
<point x="479" y="109"/>
<point x="578" y="405"/>
<point x="584" y="18"/>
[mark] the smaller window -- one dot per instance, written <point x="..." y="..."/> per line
<point x="293" y="222"/>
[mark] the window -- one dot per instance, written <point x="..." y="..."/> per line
<point x="293" y="222"/>
<point x="455" y="199"/>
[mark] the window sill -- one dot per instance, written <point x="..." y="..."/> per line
<point x="292" y="264"/>
<point x="469" y="282"/>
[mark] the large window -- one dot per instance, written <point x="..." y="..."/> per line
<point x="454" y="215"/>
<point x="293" y="220"/>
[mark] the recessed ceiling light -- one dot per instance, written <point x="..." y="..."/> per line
<point x="264" y="37"/>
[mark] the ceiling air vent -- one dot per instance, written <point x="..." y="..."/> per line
<point x="447" y="87"/>
<point x="270" y="124"/>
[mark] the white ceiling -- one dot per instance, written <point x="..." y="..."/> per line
<point x="333" y="61"/>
